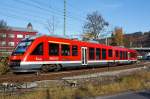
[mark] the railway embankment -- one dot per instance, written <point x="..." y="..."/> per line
<point x="13" y="78"/>
<point x="81" y="86"/>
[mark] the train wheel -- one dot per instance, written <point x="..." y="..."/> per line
<point x="45" y="68"/>
<point x="58" y="68"/>
<point x="114" y="64"/>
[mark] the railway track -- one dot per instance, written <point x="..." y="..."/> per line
<point x="15" y="78"/>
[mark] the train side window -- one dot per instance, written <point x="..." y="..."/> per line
<point x="65" y="50"/>
<point x="38" y="50"/>
<point x="110" y="53"/>
<point x="124" y="55"/>
<point x="74" y="50"/>
<point x="103" y="53"/>
<point x="91" y="53"/>
<point x="121" y="55"/>
<point x="117" y="53"/>
<point x="98" y="53"/>
<point x="53" y="49"/>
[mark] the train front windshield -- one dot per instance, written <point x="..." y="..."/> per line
<point x="22" y="47"/>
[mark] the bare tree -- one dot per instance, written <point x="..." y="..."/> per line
<point x="94" y="25"/>
<point x="50" y="25"/>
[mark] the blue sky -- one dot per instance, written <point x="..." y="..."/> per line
<point x="131" y="15"/>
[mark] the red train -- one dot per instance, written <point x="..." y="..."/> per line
<point x="53" y="53"/>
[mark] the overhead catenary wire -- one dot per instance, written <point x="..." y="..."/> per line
<point x="57" y="10"/>
<point x="77" y="15"/>
<point x="25" y="14"/>
<point x="35" y="16"/>
<point x="48" y="10"/>
<point x="37" y="5"/>
<point x="22" y="18"/>
<point x="65" y="15"/>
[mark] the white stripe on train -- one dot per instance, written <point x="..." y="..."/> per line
<point x="69" y="62"/>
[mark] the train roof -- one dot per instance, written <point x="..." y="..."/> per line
<point x="75" y="40"/>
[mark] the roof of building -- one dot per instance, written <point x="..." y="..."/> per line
<point x="29" y="24"/>
<point x="22" y="29"/>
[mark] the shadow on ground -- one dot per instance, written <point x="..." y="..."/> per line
<point x="145" y="94"/>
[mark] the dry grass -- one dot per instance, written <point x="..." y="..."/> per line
<point x="133" y="82"/>
<point x="3" y="68"/>
<point x="30" y="95"/>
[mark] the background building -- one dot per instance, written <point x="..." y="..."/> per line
<point x="9" y="38"/>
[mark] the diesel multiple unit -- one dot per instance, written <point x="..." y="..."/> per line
<point x="53" y="53"/>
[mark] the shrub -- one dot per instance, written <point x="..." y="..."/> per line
<point x="4" y="66"/>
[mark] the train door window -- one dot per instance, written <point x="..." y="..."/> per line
<point x="38" y="50"/>
<point x="65" y="50"/>
<point x="74" y="50"/>
<point x="117" y="53"/>
<point x="110" y="53"/>
<point x="98" y="54"/>
<point x="103" y="53"/>
<point x="91" y="53"/>
<point x="53" y="49"/>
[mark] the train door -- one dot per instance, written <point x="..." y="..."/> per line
<point x="84" y="55"/>
<point x="128" y="56"/>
